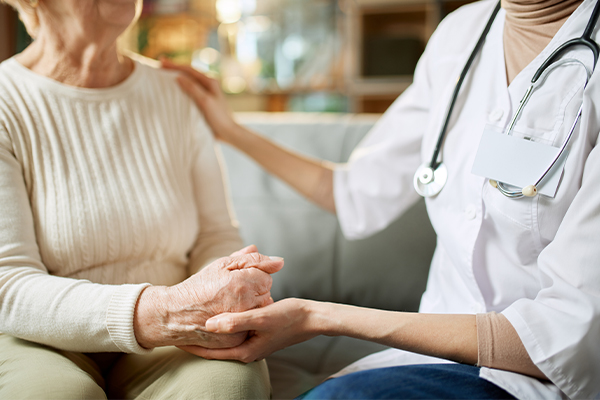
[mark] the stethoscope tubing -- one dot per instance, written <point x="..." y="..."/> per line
<point x="584" y="40"/>
<point x="514" y="194"/>
<point x="438" y="146"/>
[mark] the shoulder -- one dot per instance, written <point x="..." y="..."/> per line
<point x="160" y="88"/>
<point x="470" y="15"/>
<point x="154" y="83"/>
<point x="151" y="69"/>
<point x="8" y="81"/>
<point x="459" y="31"/>
<point x="10" y="93"/>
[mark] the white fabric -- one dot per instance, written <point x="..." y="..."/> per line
<point x="102" y="192"/>
<point x="534" y="259"/>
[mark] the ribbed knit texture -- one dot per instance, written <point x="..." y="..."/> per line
<point x="116" y="186"/>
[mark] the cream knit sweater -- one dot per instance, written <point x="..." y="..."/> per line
<point x="102" y="192"/>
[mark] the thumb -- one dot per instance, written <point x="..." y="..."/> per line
<point x="231" y="323"/>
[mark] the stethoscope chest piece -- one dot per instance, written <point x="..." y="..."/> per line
<point x="430" y="181"/>
<point x="431" y="177"/>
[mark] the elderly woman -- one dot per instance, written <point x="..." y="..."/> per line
<point x="111" y="196"/>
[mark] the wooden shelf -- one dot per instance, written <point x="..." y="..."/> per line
<point x="8" y="31"/>
<point x="388" y="3"/>
<point x="386" y="37"/>
<point x="392" y="85"/>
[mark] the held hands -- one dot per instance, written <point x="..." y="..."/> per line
<point x="176" y="315"/>
<point x="274" y="327"/>
<point x="209" y="98"/>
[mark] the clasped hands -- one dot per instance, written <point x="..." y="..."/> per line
<point x="176" y="315"/>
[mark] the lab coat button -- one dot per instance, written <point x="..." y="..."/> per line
<point x="496" y="115"/>
<point x="470" y="212"/>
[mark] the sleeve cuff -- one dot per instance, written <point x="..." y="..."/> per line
<point x="119" y="318"/>
<point x="343" y="209"/>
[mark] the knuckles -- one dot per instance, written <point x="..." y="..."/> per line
<point x="253" y="258"/>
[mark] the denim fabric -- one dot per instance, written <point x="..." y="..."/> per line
<point x="429" y="381"/>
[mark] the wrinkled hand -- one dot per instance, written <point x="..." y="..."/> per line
<point x="176" y="315"/>
<point x="208" y="96"/>
<point x="273" y="328"/>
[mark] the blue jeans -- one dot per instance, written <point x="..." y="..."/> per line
<point x="428" y="381"/>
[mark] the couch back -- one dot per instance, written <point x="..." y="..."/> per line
<point x="387" y="271"/>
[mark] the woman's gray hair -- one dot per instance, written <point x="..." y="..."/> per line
<point x="27" y="13"/>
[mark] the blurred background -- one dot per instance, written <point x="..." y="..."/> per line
<point x="284" y="55"/>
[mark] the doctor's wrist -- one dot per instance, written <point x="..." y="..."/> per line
<point x="323" y="318"/>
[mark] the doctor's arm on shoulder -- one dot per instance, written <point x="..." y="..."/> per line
<point x="312" y="178"/>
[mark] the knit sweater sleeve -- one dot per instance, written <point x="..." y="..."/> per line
<point x="218" y="234"/>
<point x="64" y="313"/>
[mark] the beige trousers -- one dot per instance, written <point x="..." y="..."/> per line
<point x="33" y="371"/>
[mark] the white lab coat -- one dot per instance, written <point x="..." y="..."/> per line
<point x="536" y="260"/>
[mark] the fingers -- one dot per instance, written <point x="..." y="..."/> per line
<point x="233" y="322"/>
<point x="210" y="84"/>
<point x="270" y="265"/>
<point x="239" y="353"/>
<point x="246" y="250"/>
<point x="198" y="93"/>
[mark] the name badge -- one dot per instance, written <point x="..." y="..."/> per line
<point x="518" y="162"/>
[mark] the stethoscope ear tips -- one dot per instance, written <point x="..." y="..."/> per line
<point x="493" y="183"/>
<point x="529" y="191"/>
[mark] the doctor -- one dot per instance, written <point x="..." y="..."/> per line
<point x="514" y="289"/>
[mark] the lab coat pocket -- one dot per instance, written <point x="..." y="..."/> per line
<point x="517" y="212"/>
<point x="514" y="223"/>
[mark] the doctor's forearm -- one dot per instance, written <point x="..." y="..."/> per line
<point x="454" y="337"/>
<point x="312" y="178"/>
<point x="449" y="336"/>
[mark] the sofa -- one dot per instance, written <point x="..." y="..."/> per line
<point x="386" y="271"/>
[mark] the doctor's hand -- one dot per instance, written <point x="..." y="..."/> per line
<point x="272" y="328"/>
<point x="176" y="315"/>
<point x="208" y="96"/>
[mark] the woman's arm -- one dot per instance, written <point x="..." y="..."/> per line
<point x="65" y="313"/>
<point x="312" y="178"/>
<point x="292" y="321"/>
<point x="450" y="336"/>
<point x="78" y="315"/>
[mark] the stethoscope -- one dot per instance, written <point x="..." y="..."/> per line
<point x="431" y="177"/>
